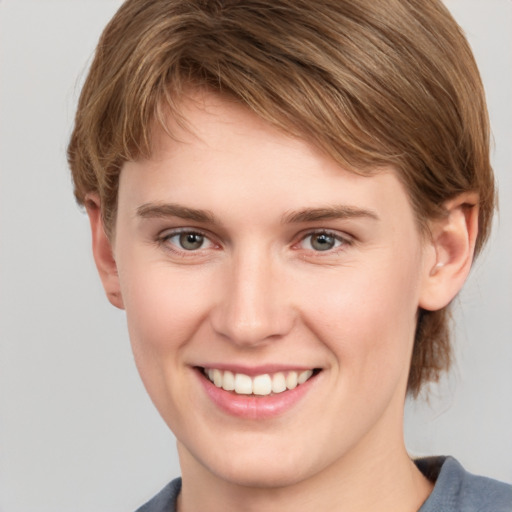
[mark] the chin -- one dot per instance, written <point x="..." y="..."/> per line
<point x="269" y="475"/>
<point x="253" y="464"/>
<point x="267" y="467"/>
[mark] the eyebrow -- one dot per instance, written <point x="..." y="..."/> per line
<point x="162" y="210"/>
<point x="328" y="213"/>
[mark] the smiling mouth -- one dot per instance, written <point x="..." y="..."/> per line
<point x="258" y="385"/>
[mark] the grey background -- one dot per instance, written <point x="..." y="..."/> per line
<point x="77" y="431"/>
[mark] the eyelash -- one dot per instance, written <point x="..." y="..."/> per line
<point x="165" y="240"/>
<point x="342" y="242"/>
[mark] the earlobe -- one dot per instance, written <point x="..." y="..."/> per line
<point x="102" y="251"/>
<point x="450" y="252"/>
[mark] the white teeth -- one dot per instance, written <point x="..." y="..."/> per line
<point x="217" y="378"/>
<point x="243" y="384"/>
<point x="291" y="380"/>
<point x="228" y="383"/>
<point x="262" y="385"/>
<point x="278" y="383"/>
<point x="304" y="376"/>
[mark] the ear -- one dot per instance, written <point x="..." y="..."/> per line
<point x="103" y="253"/>
<point x="449" y="252"/>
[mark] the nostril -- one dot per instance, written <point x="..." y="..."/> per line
<point x="252" y="330"/>
<point x="252" y="307"/>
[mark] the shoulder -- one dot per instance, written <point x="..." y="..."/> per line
<point x="457" y="490"/>
<point x="165" y="500"/>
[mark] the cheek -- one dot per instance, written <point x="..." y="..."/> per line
<point x="162" y="312"/>
<point x="367" y="317"/>
<point x="163" y="309"/>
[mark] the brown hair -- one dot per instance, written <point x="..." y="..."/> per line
<point x="373" y="83"/>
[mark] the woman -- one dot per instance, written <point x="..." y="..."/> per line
<point x="285" y="197"/>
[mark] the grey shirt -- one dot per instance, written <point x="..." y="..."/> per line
<point x="455" y="490"/>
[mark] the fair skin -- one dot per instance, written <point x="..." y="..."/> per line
<point x="239" y="249"/>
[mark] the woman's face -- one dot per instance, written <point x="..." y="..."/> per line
<point x="249" y="258"/>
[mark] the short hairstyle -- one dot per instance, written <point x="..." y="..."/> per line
<point x="372" y="83"/>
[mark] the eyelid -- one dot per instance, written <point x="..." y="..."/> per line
<point x="344" y="238"/>
<point x="164" y="236"/>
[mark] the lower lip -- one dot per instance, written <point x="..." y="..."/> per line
<point x="252" y="406"/>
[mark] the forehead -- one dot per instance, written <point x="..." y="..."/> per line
<point x="224" y="156"/>
<point x="205" y="121"/>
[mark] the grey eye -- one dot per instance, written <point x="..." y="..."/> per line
<point x="191" y="241"/>
<point x="322" y="242"/>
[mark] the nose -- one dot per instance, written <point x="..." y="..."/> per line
<point x="252" y="307"/>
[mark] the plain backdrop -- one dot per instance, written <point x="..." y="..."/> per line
<point x="77" y="431"/>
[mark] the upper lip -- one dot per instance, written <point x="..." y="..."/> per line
<point x="257" y="370"/>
